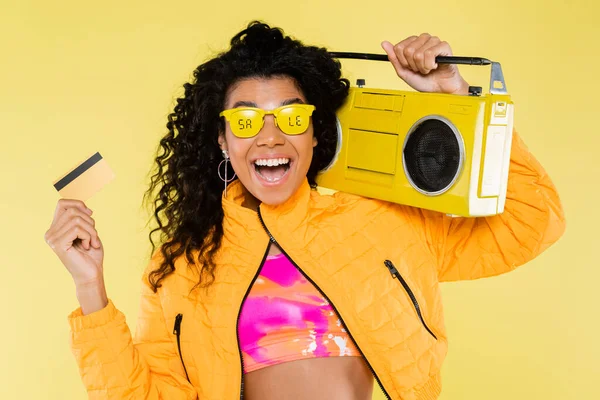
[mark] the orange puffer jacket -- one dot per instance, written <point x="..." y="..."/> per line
<point x="378" y="263"/>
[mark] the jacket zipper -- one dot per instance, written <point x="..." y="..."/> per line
<point x="272" y="239"/>
<point x="396" y="274"/>
<point x="177" y="331"/>
<point x="237" y="331"/>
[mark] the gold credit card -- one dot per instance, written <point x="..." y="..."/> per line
<point x="86" y="179"/>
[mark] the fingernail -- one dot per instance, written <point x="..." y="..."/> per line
<point x="89" y="211"/>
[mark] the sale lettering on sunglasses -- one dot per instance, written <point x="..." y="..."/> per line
<point x="246" y="122"/>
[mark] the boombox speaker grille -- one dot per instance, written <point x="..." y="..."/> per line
<point x="432" y="156"/>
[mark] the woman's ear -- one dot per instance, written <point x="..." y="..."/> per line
<point x="315" y="141"/>
<point x="222" y="142"/>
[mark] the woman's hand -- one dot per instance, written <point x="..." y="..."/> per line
<point x="414" y="61"/>
<point x="73" y="237"/>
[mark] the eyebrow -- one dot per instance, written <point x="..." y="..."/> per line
<point x="295" y="100"/>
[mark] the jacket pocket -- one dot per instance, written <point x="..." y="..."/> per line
<point x="177" y="331"/>
<point x="395" y="274"/>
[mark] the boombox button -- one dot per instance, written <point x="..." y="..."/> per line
<point x="475" y="90"/>
<point x="500" y="109"/>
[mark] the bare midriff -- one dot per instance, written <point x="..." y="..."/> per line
<point x="332" y="378"/>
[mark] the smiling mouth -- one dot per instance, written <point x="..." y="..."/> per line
<point x="272" y="170"/>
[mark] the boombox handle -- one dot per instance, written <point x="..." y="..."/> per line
<point x="497" y="84"/>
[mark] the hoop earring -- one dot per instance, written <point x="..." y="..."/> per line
<point x="226" y="161"/>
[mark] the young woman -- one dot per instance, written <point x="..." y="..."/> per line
<point x="265" y="289"/>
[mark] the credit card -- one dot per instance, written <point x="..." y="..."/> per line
<point x="86" y="179"/>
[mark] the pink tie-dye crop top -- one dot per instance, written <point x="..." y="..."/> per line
<point x="285" y="318"/>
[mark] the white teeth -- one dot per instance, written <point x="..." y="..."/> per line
<point x="271" y="162"/>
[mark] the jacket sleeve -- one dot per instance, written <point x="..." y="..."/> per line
<point x="472" y="248"/>
<point x="113" y="365"/>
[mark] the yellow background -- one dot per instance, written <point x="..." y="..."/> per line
<point x="78" y="77"/>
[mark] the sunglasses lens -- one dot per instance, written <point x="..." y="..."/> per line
<point x="245" y="123"/>
<point x="293" y="120"/>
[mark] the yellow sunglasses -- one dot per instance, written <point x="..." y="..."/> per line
<point x="246" y="122"/>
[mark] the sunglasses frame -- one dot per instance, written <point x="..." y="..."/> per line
<point x="275" y="112"/>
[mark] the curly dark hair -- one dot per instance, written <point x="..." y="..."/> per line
<point x="189" y="189"/>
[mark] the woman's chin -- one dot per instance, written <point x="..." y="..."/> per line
<point x="274" y="198"/>
<point x="273" y="193"/>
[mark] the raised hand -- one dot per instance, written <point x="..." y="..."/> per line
<point x="414" y="61"/>
<point x="73" y="237"/>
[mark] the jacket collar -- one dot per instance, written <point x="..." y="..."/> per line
<point x="288" y="215"/>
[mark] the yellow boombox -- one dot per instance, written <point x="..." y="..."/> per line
<point x="448" y="153"/>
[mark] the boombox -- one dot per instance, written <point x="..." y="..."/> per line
<point x="442" y="152"/>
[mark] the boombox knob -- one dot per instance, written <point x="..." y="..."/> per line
<point x="475" y="90"/>
<point x="360" y="82"/>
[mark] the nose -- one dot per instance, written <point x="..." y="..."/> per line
<point x="270" y="135"/>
